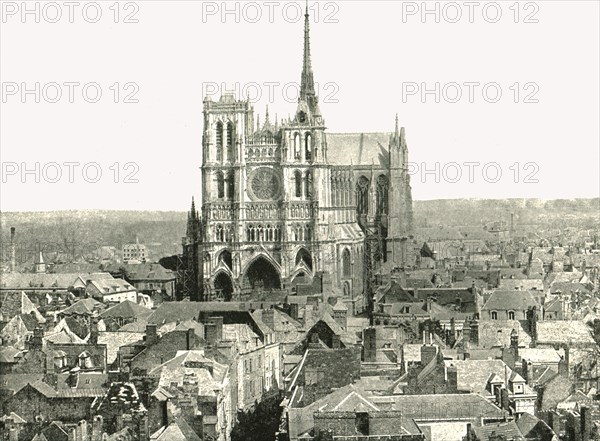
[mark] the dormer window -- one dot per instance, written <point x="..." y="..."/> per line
<point x="511" y="315"/>
<point x="494" y="315"/>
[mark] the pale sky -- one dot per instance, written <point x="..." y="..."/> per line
<point x="371" y="60"/>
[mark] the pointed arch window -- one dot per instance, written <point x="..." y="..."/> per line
<point x="382" y="194"/>
<point x="219" y="140"/>
<point x="297" y="146"/>
<point x="298" y="183"/>
<point x="308" y="147"/>
<point x="308" y="184"/>
<point x="362" y="196"/>
<point x="220" y="185"/>
<point x="346" y="263"/>
<point x="230" y="186"/>
<point x="230" y="141"/>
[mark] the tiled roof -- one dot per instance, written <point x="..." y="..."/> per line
<point x="7" y="354"/>
<point x="496" y="333"/>
<point x="359" y="149"/>
<point x="50" y="392"/>
<point x="126" y="309"/>
<point x="148" y="272"/>
<point x="83" y="307"/>
<point x="473" y="375"/>
<point x="508" y="429"/>
<point x="178" y="430"/>
<point x="111" y="286"/>
<point x="539" y="355"/>
<point x="115" y="340"/>
<point x="564" y="331"/>
<point x="502" y="300"/>
<point x="14" y="304"/>
<point x="524" y="284"/>
<point x="38" y="280"/>
<point x="13" y="417"/>
<point x="532" y="427"/>
<point x="208" y="373"/>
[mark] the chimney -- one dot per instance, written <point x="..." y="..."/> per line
<point x="73" y="379"/>
<point x="466" y="331"/>
<point x="13" y="434"/>
<point x="563" y="364"/>
<point x="13" y="251"/>
<point x="189" y="339"/>
<point x="452" y="378"/>
<point x="370" y="345"/>
<point x="37" y="339"/>
<point x="268" y="318"/>
<point x="151" y="334"/>
<point x="294" y="311"/>
<point x="94" y="332"/>
<point x="81" y="431"/>
<point x="429" y="304"/>
<point x="308" y="316"/>
<point x="213" y="330"/>
<point x="514" y="344"/>
<point x="532" y="319"/>
<point x="586" y="423"/>
<point x="428" y="353"/>
<point x="97" y="428"/>
<point x="475" y="332"/>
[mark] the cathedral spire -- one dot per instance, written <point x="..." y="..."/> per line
<point x="307" y="84"/>
<point x="193" y="209"/>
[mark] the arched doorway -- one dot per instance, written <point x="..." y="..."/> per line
<point x="262" y="275"/>
<point x="304" y="255"/>
<point x="223" y="287"/>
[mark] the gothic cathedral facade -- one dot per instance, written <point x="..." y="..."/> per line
<point x="286" y="202"/>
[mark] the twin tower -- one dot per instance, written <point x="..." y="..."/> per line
<point x="287" y="204"/>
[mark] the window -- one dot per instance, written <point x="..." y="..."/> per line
<point x="308" y="182"/>
<point x="494" y="315"/>
<point x="362" y="196"/>
<point x="511" y="315"/>
<point x="219" y="140"/>
<point x="297" y="146"/>
<point x="230" y="186"/>
<point x="382" y="194"/>
<point x="230" y="141"/>
<point x="220" y="185"/>
<point x="298" y="183"/>
<point x="308" y="147"/>
<point x="346" y="264"/>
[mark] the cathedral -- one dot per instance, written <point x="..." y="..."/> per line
<point x="285" y="203"/>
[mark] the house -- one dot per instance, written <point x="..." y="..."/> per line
<point x="508" y="305"/>
<point x="200" y="388"/>
<point x="151" y="279"/>
<point x="360" y="413"/>
<point x="124" y="313"/>
<point x="494" y="380"/>
<point x="111" y="290"/>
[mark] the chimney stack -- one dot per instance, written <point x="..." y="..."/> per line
<point x="13" y="251"/>
<point x="213" y="330"/>
<point x="370" y="345"/>
<point x="97" y="424"/>
<point x="151" y="334"/>
<point x="586" y="423"/>
<point x="38" y="338"/>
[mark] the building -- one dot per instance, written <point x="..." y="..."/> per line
<point x="134" y="252"/>
<point x="286" y="200"/>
